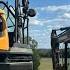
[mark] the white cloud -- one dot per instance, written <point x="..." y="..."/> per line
<point x="66" y="15"/>
<point x="56" y="22"/>
<point x="37" y="21"/>
<point x="55" y="8"/>
<point x="34" y="21"/>
<point x="60" y="20"/>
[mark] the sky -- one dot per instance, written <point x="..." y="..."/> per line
<point x="50" y="14"/>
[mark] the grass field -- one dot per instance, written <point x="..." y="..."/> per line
<point x="45" y="64"/>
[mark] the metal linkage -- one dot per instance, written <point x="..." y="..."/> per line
<point x="55" y="41"/>
<point x="55" y="50"/>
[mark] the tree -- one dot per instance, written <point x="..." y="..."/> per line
<point x="36" y="58"/>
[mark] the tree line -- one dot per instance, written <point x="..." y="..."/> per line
<point x="48" y="53"/>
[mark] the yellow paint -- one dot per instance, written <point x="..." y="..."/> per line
<point x="4" y="41"/>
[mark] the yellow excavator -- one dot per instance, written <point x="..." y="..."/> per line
<point x="14" y="54"/>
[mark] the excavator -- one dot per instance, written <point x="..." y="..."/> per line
<point x="59" y="59"/>
<point x="14" y="53"/>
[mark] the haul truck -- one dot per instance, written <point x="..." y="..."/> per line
<point x="14" y="54"/>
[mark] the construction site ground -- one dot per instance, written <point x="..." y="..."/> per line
<point x="46" y="63"/>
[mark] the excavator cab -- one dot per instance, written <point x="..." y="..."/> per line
<point x="14" y="53"/>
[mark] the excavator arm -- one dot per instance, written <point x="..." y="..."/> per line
<point x="56" y="39"/>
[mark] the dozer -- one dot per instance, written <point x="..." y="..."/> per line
<point x="14" y="54"/>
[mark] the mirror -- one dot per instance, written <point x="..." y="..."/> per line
<point x="31" y="13"/>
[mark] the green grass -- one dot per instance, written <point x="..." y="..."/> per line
<point x="45" y="64"/>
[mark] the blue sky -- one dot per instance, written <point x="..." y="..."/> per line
<point x="51" y="14"/>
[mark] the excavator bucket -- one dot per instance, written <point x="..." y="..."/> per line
<point x="4" y="41"/>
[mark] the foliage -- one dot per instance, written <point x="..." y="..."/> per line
<point x="45" y="52"/>
<point x="48" y="53"/>
<point x="36" y="58"/>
